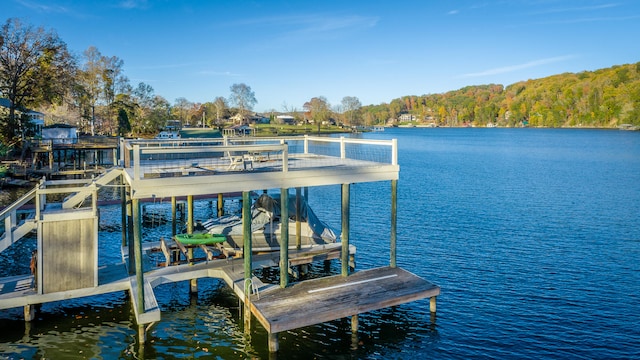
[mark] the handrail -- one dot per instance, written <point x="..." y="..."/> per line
<point x="19" y="203"/>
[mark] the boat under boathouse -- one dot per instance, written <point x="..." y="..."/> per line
<point x="66" y="220"/>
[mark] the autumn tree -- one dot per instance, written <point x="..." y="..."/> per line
<point x="35" y="68"/>
<point x="319" y="110"/>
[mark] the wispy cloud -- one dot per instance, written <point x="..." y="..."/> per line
<point x="512" y="68"/>
<point x="577" y="9"/>
<point x="309" y="25"/>
<point x="590" y="19"/>
<point x="133" y="4"/>
<point x="170" y="66"/>
<point x="218" y="73"/>
<point x="43" y="8"/>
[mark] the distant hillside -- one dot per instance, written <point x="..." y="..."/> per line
<point x="604" y="98"/>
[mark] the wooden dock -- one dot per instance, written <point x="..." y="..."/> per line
<point x="189" y="169"/>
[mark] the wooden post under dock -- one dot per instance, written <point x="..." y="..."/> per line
<point x="345" y="229"/>
<point x="220" y="205"/>
<point x="298" y="216"/>
<point x="284" y="239"/>
<point x="193" y="284"/>
<point x="394" y="223"/>
<point x="246" y="233"/>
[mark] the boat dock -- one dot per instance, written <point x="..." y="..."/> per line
<point x="167" y="169"/>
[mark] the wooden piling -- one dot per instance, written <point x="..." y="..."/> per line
<point x="123" y="210"/>
<point x="193" y="282"/>
<point x="273" y="342"/>
<point x="174" y="218"/>
<point x="344" y="256"/>
<point x="298" y="220"/>
<point x="246" y="233"/>
<point x="394" y="222"/>
<point x="220" y="205"/>
<point x="432" y="304"/>
<point x="354" y="332"/>
<point x="284" y="239"/>
<point x="130" y="231"/>
<point x="29" y="312"/>
<point x="137" y="244"/>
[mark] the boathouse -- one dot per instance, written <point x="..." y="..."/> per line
<point x="180" y="171"/>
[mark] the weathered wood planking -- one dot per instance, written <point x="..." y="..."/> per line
<point x="325" y="299"/>
<point x="68" y="255"/>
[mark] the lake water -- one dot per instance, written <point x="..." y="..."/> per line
<point x="532" y="234"/>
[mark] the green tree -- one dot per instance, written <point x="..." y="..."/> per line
<point x="35" y="68"/>
<point x="124" y="126"/>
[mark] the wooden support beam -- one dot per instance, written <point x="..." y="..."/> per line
<point x="284" y="238"/>
<point x="174" y="222"/>
<point x="137" y="244"/>
<point x="344" y="256"/>
<point x="246" y="233"/>
<point x="394" y="222"/>
<point x="220" y="205"/>
<point x="29" y="312"/>
<point x="193" y="282"/>
<point x="354" y="331"/>
<point x="298" y="221"/>
<point x="130" y="231"/>
<point x="432" y="304"/>
<point x="142" y="334"/>
<point x="123" y="197"/>
<point x="273" y="342"/>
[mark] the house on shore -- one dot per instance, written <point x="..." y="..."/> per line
<point x="36" y="118"/>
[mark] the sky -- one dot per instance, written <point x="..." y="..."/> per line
<point x="288" y="52"/>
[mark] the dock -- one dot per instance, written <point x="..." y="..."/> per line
<point x="188" y="169"/>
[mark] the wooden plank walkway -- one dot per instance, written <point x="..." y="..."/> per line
<point x="19" y="290"/>
<point x="330" y="298"/>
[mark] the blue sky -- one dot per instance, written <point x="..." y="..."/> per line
<point x="291" y="51"/>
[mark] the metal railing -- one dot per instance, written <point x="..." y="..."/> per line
<point x="188" y="157"/>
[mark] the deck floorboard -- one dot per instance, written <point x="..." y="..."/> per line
<point x="330" y="298"/>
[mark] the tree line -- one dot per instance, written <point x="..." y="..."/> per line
<point x="604" y="98"/>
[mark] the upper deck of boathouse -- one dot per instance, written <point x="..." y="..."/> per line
<point x="163" y="168"/>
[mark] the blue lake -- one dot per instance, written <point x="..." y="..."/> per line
<point x="532" y="234"/>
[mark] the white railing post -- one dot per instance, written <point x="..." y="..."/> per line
<point x="394" y="152"/>
<point x="42" y="197"/>
<point x="136" y="162"/>
<point x="285" y="156"/>
<point x="343" y="151"/>
<point x="9" y="223"/>
<point x="306" y="144"/>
